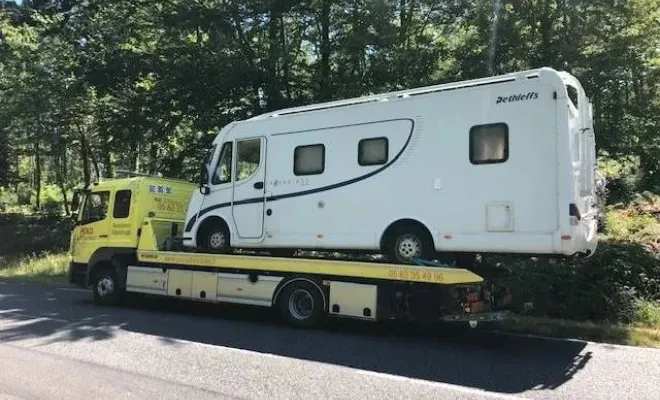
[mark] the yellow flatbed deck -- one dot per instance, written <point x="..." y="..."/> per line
<point x="405" y="273"/>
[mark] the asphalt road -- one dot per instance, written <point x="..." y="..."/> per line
<point x="55" y="344"/>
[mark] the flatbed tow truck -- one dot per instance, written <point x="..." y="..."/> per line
<point x="125" y="241"/>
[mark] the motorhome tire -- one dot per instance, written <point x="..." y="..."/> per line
<point x="408" y="243"/>
<point x="301" y="304"/>
<point x="106" y="289"/>
<point x="216" y="239"/>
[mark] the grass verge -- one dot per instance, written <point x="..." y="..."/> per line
<point x="637" y="334"/>
<point x="50" y="268"/>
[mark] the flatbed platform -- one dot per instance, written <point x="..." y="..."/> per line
<point x="336" y="268"/>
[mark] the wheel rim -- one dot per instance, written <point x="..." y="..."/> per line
<point x="301" y="304"/>
<point x="105" y="286"/>
<point x="217" y="240"/>
<point x="408" y="247"/>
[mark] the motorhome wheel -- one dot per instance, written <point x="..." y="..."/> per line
<point x="408" y="244"/>
<point x="217" y="240"/>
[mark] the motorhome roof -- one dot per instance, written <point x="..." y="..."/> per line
<point x="401" y="94"/>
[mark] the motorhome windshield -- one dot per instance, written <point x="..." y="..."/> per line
<point x="209" y="154"/>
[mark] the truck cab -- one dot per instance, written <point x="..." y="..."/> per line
<point x="109" y="216"/>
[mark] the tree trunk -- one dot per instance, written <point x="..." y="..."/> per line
<point x="37" y="172"/>
<point x="84" y="150"/>
<point x="324" y="83"/>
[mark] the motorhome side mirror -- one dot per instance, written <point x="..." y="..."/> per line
<point x="203" y="174"/>
<point x="204" y="190"/>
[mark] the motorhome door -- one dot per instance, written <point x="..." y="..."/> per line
<point x="249" y="187"/>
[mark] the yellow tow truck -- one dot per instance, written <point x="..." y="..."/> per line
<point x="125" y="240"/>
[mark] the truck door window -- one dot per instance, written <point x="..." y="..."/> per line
<point x="249" y="157"/>
<point x="122" y="205"/>
<point x="489" y="144"/>
<point x="223" y="170"/>
<point x="96" y="207"/>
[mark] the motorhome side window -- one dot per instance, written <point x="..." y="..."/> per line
<point x="372" y="151"/>
<point x="223" y="170"/>
<point x="309" y="159"/>
<point x="249" y="156"/>
<point x="96" y="207"/>
<point x="489" y="144"/>
<point x="122" y="204"/>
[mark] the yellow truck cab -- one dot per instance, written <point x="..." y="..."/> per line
<point x="111" y="217"/>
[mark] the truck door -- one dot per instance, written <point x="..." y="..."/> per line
<point x="249" y="191"/>
<point x="91" y="231"/>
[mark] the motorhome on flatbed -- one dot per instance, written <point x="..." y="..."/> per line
<point x="503" y="164"/>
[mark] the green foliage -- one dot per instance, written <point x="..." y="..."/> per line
<point x="22" y="234"/>
<point x="648" y="313"/>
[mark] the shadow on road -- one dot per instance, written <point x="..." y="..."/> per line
<point x="437" y="353"/>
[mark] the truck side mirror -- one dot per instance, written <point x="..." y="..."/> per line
<point x="75" y="202"/>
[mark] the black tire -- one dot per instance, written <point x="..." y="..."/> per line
<point x="216" y="240"/>
<point x="408" y="243"/>
<point x="106" y="288"/>
<point x="301" y="304"/>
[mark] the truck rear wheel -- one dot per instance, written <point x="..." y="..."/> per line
<point x="301" y="304"/>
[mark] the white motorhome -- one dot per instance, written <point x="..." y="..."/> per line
<point x="504" y="164"/>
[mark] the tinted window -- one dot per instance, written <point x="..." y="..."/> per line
<point x="309" y="160"/>
<point x="122" y="204"/>
<point x="489" y="144"/>
<point x="372" y="151"/>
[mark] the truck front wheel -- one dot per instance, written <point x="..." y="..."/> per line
<point x="106" y="287"/>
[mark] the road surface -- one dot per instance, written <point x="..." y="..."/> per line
<point x="55" y="344"/>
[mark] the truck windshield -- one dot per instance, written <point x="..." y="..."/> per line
<point x="96" y="207"/>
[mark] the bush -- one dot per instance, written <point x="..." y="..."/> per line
<point x="605" y="287"/>
<point x="611" y="284"/>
